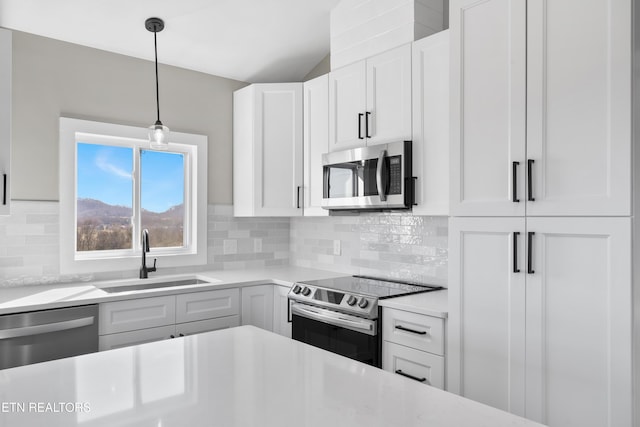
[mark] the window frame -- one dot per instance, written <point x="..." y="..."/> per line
<point x="194" y="147"/>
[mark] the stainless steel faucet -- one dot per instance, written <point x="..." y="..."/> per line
<point x="144" y="270"/>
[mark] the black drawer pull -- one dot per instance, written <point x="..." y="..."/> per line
<point x="413" y="331"/>
<point x="514" y="179"/>
<point x="515" y="252"/>
<point x="4" y="189"/>
<point x="366" y="124"/>
<point x="360" y="126"/>
<point x="530" y="235"/>
<point x="529" y="181"/>
<point x="399" y="372"/>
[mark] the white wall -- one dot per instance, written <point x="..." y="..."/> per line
<point x="53" y="78"/>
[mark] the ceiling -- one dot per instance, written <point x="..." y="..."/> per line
<point x="248" y="40"/>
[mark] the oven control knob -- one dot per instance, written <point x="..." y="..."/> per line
<point x="306" y="291"/>
<point x="351" y="300"/>
<point x="363" y="303"/>
<point x="296" y="289"/>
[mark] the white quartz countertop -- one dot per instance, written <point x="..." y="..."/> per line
<point x="428" y="303"/>
<point x="236" y="377"/>
<point x="41" y="297"/>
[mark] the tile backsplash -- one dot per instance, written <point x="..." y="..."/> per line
<point x="29" y="244"/>
<point x="385" y="245"/>
<point x="390" y="245"/>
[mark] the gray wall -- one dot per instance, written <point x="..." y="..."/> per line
<point x="53" y="78"/>
<point x="323" y="67"/>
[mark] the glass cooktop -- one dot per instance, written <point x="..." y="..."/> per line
<point x="371" y="286"/>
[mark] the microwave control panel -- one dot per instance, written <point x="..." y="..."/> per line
<point x="395" y="175"/>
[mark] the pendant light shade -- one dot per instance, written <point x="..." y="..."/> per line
<point x="158" y="133"/>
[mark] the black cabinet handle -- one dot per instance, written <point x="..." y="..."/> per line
<point x="298" y="198"/>
<point x="515" y="252"/>
<point x="530" y="235"/>
<point x="399" y="372"/>
<point x="360" y="126"/>
<point x="172" y="336"/>
<point x="4" y="189"/>
<point x="180" y="335"/>
<point x="366" y="124"/>
<point x="514" y="181"/>
<point x="529" y="181"/>
<point x="413" y="331"/>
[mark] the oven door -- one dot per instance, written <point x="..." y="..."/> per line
<point x="349" y="336"/>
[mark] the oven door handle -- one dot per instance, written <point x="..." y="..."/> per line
<point x="336" y="319"/>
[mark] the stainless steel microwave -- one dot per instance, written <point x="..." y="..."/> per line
<point x="368" y="178"/>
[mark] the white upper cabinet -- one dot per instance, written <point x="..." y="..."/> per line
<point x="5" y="120"/>
<point x="541" y="107"/>
<point x="347" y="103"/>
<point x="316" y="142"/>
<point x="579" y="107"/>
<point x="388" y="113"/>
<point x="267" y="146"/>
<point x="370" y="101"/>
<point x="488" y="101"/>
<point x="431" y="124"/>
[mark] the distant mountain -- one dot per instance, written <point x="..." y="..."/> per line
<point x="106" y="214"/>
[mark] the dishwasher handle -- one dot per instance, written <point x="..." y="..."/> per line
<point x="46" y="328"/>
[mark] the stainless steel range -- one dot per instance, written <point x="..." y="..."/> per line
<point x="342" y="314"/>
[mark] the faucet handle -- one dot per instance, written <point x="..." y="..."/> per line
<point x="154" y="265"/>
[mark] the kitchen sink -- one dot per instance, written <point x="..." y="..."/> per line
<point x="154" y="285"/>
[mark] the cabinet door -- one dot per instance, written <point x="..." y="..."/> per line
<point x="417" y="365"/>
<point x="142" y="313"/>
<point x="190" y="328"/>
<point x="278" y="150"/>
<point x="486" y="345"/>
<point x="488" y="97"/>
<point x="347" y="103"/>
<point x="207" y="305"/>
<point x="431" y="124"/>
<point x="141" y="336"/>
<point x="579" y="107"/>
<point x="316" y="142"/>
<point x="388" y="113"/>
<point x="257" y="306"/>
<point x="281" y="324"/>
<point x="578" y="322"/>
<point x="5" y="121"/>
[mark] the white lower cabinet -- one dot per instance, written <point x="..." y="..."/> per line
<point x="257" y="306"/>
<point x="413" y="346"/>
<point x="417" y="365"/>
<point x="540" y="317"/>
<point x="142" y="320"/>
<point x="281" y="323"/>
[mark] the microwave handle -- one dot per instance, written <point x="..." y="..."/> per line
<point x="379" y="171"/>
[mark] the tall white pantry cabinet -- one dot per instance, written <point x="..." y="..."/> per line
<point x="544" y="293"/>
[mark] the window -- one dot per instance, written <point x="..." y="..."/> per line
<point x="112" y="186"/>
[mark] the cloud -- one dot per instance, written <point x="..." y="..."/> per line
<point x="102" y="162"/>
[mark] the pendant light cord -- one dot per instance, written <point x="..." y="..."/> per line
<point x="155" y="45"/>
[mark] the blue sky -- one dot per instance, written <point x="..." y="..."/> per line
<point x="104" y="173"/>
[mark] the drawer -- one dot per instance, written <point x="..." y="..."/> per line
<point x="425" y="333"/>
<point x="208" y="325"/>
<point x="413" y="364"/>
<point x="207" y="305"/>
<point x="142" y="336"/>
<point x="142" y="313"/>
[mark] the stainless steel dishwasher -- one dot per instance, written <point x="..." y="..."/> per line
<point x="38" y="336"/>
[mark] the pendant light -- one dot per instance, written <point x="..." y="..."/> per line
<point x="158" y="133"/>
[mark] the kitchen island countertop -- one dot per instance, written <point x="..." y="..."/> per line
<point x="242" y="376"/>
